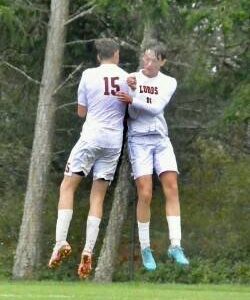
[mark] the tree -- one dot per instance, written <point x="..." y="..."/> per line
<point x="28" y="254"/>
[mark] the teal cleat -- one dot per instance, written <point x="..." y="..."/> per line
<point x="176" y="253"/>
<point x="148" y="259"/>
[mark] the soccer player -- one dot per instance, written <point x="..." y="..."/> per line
<point x="98" y="148"/>
<point x="150" y="148"/>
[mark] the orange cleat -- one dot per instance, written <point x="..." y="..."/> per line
<point x="85" y="266"/>
<point x="60" y="252"/>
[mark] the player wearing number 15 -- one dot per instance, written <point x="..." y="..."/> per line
<point x="98" y="148"/>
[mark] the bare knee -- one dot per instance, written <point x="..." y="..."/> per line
<point x="144" y="189"/>
<point x="172" y="186"/>
<point x="67" y="186"/>
<point x="145" y="195"/>
<point x="169" y="181"/>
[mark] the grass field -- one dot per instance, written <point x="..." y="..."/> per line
<point x="120" y="291"/>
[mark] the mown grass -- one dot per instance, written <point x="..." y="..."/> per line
<point x="120" y="291"/>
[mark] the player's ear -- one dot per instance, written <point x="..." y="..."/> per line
<point x="117" y="54"/>
<point x="163" y="61"/>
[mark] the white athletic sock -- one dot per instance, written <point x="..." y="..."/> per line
<point x="143" y="231"/>
<point x="174" y="227"/>
<point x="62" y="224"/>
<point x="92" y="231"/>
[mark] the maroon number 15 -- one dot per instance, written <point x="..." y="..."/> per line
<point x="111" y="87"/>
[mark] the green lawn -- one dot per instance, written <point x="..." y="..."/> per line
<point x="120" y="291"/>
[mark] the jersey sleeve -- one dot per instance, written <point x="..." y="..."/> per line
<point x="81" y="94"/>
<point x="158" y="105"/>
<point x="133" y="112"/>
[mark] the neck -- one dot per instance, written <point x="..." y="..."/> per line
<point x="108" y="61"/>
<point x="151" y="75"/>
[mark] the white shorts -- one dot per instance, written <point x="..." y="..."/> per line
<point x="85" y="156"/>
<point x="148" y="153"/>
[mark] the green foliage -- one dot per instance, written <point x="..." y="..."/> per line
<point x="227" y="14"/>
<point x="216" y="195"/>
<point x="21" y="24"/>
<point x="132" y="13"/>
<point x="196" y="17"/>
<point x="154" y="9"/>
<point x="148" y="9"/>
<point x="239" y="110"/>
<point x="7" y="17"/>
<point x="201" y="271"/>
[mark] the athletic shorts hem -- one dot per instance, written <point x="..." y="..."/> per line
<point x="140" y="175"/>
<point x="168" y="170"/>
<point x="107" y="178"/>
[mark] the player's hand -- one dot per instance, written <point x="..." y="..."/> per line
<point x="131" y="81"/>
<point x="123" y="97"/>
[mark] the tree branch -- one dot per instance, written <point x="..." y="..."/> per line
<point x="21" y="72"/>
<point x="66" y="104"/>
<point x="83" y="7"/>
<point x="189" y="109"/>
<point x="123" y="43"/>
<point x="68" y="78"/>
<point x="80" y="15"/>
<point x="79" y="42"/>
<point x="179" y="63"/>
<point x="128" y="45"/>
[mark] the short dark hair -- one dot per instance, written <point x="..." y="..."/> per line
<point x="106" y="48"/>
<point x="158" y="48"/>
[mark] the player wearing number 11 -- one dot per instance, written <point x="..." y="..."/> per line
<point x="98" y="148"/>
<point x="150" y="149"/>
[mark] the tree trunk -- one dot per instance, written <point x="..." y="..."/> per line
<point x="149" y="35"/>
<point x="123" y="192"/>
<point x="27" y="256"/>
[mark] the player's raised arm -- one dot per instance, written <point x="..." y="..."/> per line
<point x="155" y="106"/>
<point x="150" y="105"/>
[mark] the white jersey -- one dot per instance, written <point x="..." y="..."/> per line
<point x="146" y="113"/>
<point x="103" y="126"/>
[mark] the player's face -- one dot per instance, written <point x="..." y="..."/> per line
<point x="152" y="63"/>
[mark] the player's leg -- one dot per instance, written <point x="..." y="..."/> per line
<point x="65" y="211"/>
<point x="172" y="207"/>
<point x="170" y="189"/>
<point x="78" y="165"/>
<point x="166" y="168"/>
<point x="97" y="196"/>
<point x="103" y="172"/>
<point x="142" y="166"/>
<point x="144" y="192"/>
